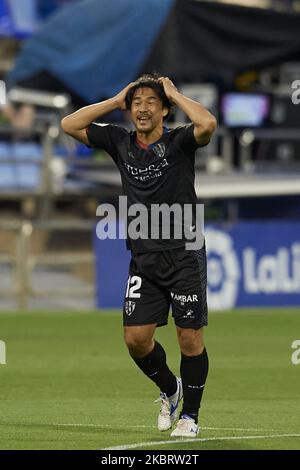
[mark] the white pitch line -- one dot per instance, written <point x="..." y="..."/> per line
<point x="133" y="426"/>
<point x="137" y="426"/>
<point x="103" y="425"/>
<point x="180" y="441"/>
<point x="80" y="425"/>
<point x="239" y="429"/>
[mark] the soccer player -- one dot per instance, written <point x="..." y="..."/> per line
<point x="157" y="166"/>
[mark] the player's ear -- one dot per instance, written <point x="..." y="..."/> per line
<point x="165" y="111"/>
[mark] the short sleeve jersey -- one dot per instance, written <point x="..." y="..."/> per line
<point x="163" y="173"/>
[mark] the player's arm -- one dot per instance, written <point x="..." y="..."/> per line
<point x="75" y="124"/>
<point x="204" y="122"/>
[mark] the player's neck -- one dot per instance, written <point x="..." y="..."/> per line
<point x="151" y="137"/>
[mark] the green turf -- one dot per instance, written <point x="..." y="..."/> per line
<point x="70" y="384"/>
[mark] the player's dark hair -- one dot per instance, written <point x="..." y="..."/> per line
<point x="150" y="80"/>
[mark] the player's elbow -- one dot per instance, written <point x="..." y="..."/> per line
<point x="205" y="129"/>
<point x="65" y="125"/>
<point x="78" y="134"/>
<point x="210" y="125"/>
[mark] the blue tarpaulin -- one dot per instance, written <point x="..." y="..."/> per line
<point x="94" y="47"/>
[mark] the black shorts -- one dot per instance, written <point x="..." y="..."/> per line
<point x="159" y="279"/>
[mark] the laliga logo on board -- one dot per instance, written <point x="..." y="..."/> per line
<point x="223" y="270"/>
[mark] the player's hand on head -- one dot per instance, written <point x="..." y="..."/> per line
<point x="120" y="97"/>
<point x="169" y="87"/>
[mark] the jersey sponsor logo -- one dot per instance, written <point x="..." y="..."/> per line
<point x="129" y="307"/>
<point x="146" y="173"/>
<point x="183" y="299"/>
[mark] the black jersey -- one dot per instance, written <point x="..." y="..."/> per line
<point x="162" y="173"/>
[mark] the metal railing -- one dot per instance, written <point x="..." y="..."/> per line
<point x="45" y="189"/>
<point x="24" y="261"/>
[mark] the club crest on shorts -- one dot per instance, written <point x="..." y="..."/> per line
<point x="160" y="150"/>
<point x="129" y="307"/>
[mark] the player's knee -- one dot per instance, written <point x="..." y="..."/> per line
<point x="190" y="341"/>
<point x="138" y="345"/>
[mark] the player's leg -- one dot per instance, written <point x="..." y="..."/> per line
<point x="190" y="313"/>
<point x="145" y="307"/>
<point x="193" y="370"/>
<point x="150" y="357"/>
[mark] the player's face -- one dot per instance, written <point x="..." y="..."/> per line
<point x="147" y="111"/>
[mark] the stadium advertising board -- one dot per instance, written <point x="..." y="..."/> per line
<point x="249" y="264"/>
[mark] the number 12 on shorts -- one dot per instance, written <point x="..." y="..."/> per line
<point x="133" y="285"/>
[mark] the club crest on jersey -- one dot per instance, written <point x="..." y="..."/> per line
<point x="129" y="307"/>
<point x="160" y="150"/>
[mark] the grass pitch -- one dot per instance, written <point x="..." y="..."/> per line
<point x="70" y="384"/>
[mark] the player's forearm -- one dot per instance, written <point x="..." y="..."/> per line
<point x="85" y="116"/>
<point x="201" y="118"/>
